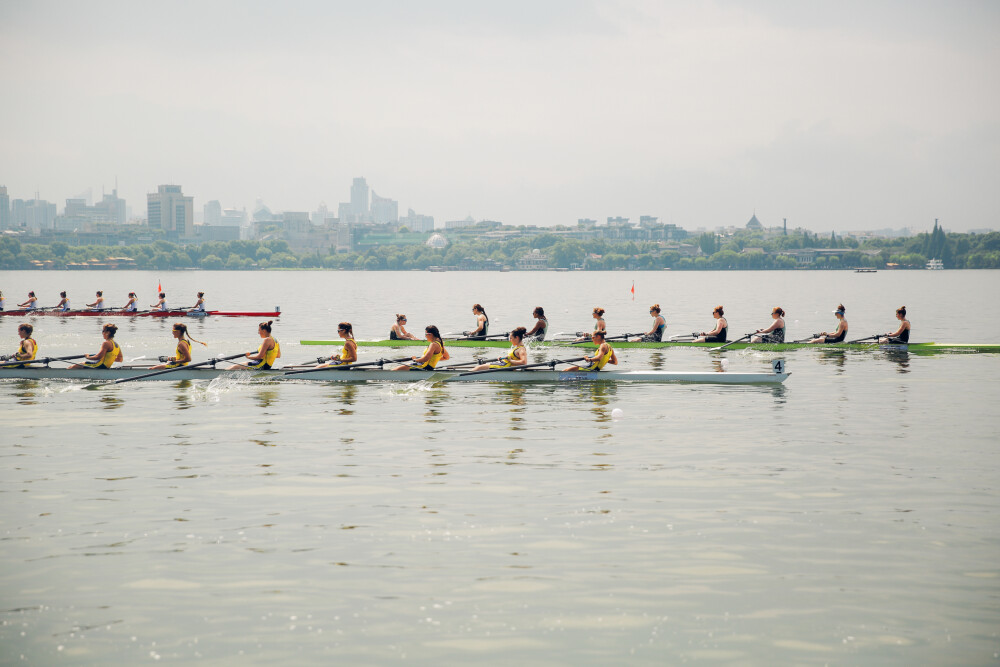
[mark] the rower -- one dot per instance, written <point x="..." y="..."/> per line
<point x="27" y="349"/>
<point x="182" y="355"/>
<point x="268" y="352"/>
<point x="433" y="353"/>
<point x="199" y="306"/>
<point x="537" y="332"/>
<point x="599" y="325"/>
<point x="518" y="355"/>
<point x="160" y="305"/>
<point x="398" y="330"/>
<point x="109" y="353"/>
<point x="604" y="355"/>
<point x="654" y="335"/>
<point x="901" y="335"/>
<point x="837" y="336"/>
<point x="131" y="306"/>
<point x="482" y="324"/>
<point x="774" y="333"/>
<point x="98" y="303"/>
<point x="3" y="301"/>
<point x="63" y="304"/>
<point x="349" y="353"/>
<point x="31" y="303"/>
<point x="718" y="334"/>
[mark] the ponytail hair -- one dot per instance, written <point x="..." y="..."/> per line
<point x="518" y="333"/>
<point x="346" y="328"/>
<point x="433" y="330"/>
<point x="538" y="312"/>
<point x="62" y="294"/>
<point x="779" y="311"/>
<point x="400" y="316"/>
<point x="901" y="311"/>
<point x="163" y="295"/>
<point x="266" y="326"/>
<point x="112" y="329"/>
<point x="655" y="307"/>
<point x="599" y="312"/>
<point x="841" y="309"/>
<point x="718" y="309"/>
<point x="180" y="326"/>
<point x="100" y="293"/>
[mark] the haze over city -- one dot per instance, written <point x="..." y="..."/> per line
<point x="835" y="116"/>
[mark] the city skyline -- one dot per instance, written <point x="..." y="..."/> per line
<point x="857" y="115"/>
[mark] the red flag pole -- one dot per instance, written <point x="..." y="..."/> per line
<point x="633" y="290"/>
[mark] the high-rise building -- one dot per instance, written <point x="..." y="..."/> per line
<point x="39" y="214"/>
<point x="416" y="222"/>
<point x="4" y="208"/>
<point x="212" y="213"/>
<point x="384" y="209"/>
<point x="359" y="199"/>
<point x="168" y="209"/>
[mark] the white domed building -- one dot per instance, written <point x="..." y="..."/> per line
<point x="437" y="241"/>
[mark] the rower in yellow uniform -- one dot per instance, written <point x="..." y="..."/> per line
<point x="182" y="355"/>
<point x="348" y="353"/>
<point x="268" y="352"/>
<point x="109" y="353"/>
<point x="605" y="355"/>
<point x="27" y="349"/>
<point x="433" y="353"/>
<point x="518" y="355"/>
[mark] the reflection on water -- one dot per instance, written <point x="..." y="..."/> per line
<point x="657" y="360"/>
<point x="111" y="402"/>
<point x="26" y="391"/>
<point x="346" y="394"/>
<point x="835" y="358"/>
<point x="901" y="358"/>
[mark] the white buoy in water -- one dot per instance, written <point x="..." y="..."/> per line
<point x="725" y="364"/>
<point x="617" y="414"/>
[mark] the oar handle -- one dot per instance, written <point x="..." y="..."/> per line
<point x="43" y="360"/>
<point x="179" y="368"/>
<point x="551" y="364"/>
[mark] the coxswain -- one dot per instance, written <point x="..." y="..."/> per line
<point x="348" y="353"/>
<point x="31" y="303"/>
<point x="268" y="352"/>
<point x="199" y="306"/>
<point x="398" y="330"/>
<point x="482" y="324"/>
<point x="654" y="335"/>
<point x="518" y="355"/>
<point x="109" y="353"/>
<point x="599" y="325"/>
<point x="182" y="355"/>
<point x="98" y="303"/>
<point x="131" y="306"/>
<point x="718" y="334"/>
<point x="63" y="304"/>
<point x="604" y="355"/>
<point x="774" y="333"/>
<point x="902" y="334"/>
<point x="837" y="336"/>
<point x="27" y="349"/>
<point x="160" y="305"/>
<point x="433" y="353"/>
<point x="538" y="331"/>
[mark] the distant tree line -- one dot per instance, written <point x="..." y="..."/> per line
<point x="744" y="250"/>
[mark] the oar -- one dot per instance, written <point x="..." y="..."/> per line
<point x="490" y="337"/>
<point x="550" y="364"/>
<point x="861" y="340"/>
<point x="43" y="360"/>
<point x="722" y="347"/>
<point x="806" y="340"/>
<point x="179" y="368"/>
<point x="678" y="337"/>
<point x="377" y="362"/>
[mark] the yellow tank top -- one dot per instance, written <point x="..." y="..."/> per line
<point x="109" y="359"/>
<point x="344" y="354"/>
<point x="34" y="349"/>
<point x="512" y="355"/>
<point x="435" y="358"/>
<point x="271" y="354"/>
<point x="602" y="360"/>
<point x="179" y="356"/>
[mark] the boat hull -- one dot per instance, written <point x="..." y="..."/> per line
<point x="368" y="375"/>
<point x="623" y="345"/>
<point x="142" y="313"/>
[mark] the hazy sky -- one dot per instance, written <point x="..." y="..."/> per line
<point x="836" y="115"/>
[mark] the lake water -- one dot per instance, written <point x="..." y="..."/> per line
<point x="850" y="516"/>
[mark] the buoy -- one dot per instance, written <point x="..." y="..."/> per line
<point x="617" y="414"/>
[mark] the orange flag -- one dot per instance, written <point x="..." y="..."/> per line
<point x="633" y="290"/>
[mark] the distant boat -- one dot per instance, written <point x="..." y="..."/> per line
<point x="866" y="270"/>
<point x="935" y="264"/>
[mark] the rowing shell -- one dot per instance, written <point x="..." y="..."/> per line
<point x="366" y="375"/>
<point x="622" y="345"/>
<point x="141" y="313"/>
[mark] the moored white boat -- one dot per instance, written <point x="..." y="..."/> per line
<point x="377" y="375"/>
